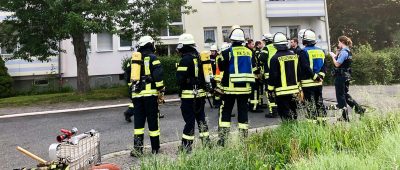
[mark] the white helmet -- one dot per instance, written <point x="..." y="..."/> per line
<point x="301" y="33"/>
<point x="280" y="39"/>
<point x="145" y="40"/>
<point x="225" y="46"/>
<point x="186" y="39"/>
<point x="235" y="27"/>
<point x="214" y="48"/>
<point x="309" y="35"/>
<point x="237" y="35"/>
<point x="267" y="37"/>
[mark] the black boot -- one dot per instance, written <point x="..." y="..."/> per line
<point x="138" y="146"/>
<point x="359" y="109"/>
<point x="223" y="135"/>
<point x="244" y="133"/>
<point x="186" y="146"/>
<point x="345" y="115"/>
<point x="128" y="114"/>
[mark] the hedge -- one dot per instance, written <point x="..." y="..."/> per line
<point x="6" y="82"/>
<point x="371" y="67"/>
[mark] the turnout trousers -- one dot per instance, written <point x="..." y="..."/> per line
<point x="314" y="102"/>
<point x="192" y="112"/>
<point x="146" y="108"/>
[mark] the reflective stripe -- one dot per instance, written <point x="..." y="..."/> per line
<point x="182" y="69"/>
<point x="129" y="84"/>
<point x="189" y="94"/>
<point x="271" y="52"/>
<point x="315" y="54"/>
<point x="130" y="105"/>
<point x="139" y="131"/>
<point x="159" y="84"/>
<point x="187" y="137"/>
<point x="243" y="126"/>
<point x="237" y="90"/>
<point x="146" y="66"/>
<point x="154" y="133"/>
<point x="155" y="62"/>
<point x="287" y="88"/>
<point x="196" y="68"/>
<point x="151" y="92"/>
<point x="321" y="74"/>
<point x="266" y="75"/>
<point x="271" y="88"/>
<point x="225" y="124"/>
<point x="254" y="69"/>
<point x="287" y="92"/>
<point x="306" y="83"/>
<point x="204" y="134"/>
<point x="315" y="76"/>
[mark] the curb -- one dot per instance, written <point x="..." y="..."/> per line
<point x="166" y="144"/>
<point x="73" y="110"/>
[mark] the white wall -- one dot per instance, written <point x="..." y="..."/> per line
<point x="220" y="14"/>
<point x="100" y="63"/>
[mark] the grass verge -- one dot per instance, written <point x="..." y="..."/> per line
<point x="301" y="145"/>
<point x="98" y="94"/>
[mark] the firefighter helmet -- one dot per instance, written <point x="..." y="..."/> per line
<point x="145" y="40"/>
<point x="237" y="35"/>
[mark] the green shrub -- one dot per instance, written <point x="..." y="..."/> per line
<point x="6" y="82"/>
<point x="169" y="65"/>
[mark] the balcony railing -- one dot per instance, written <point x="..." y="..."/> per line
<point x="305" y="8"/>
<point x="18" y="67"/>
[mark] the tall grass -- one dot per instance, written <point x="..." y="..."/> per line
<point x="297" y="145"/>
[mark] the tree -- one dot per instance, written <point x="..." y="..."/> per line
<point x="38" y="26"/>
<point x="366" y="21"/>
<point x="6" y="81"/>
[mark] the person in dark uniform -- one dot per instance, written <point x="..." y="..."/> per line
<point x="342" y="73"/>
<point x="254" y="105"/>
<point x="213" y="58"/>
<point x="284" y="78"/>
<point x="145" y="96"/>
<point x="192" y="85"/>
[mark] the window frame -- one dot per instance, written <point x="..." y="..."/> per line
<point x="214" y="29"/>
<point x="105" y="50"/>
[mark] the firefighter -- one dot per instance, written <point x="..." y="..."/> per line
<point x="147" y="85"/>
<point x="191" y="81"/>
<point x="213" y="57"/>
<point x="312" y="61"/>
<point x="254" y="102"/>
<point x="265" y="57"/>
<point x="236" y="63"/>
<point x="342" y="73"/>
<point x="259" y="45"/>
<point x="283" y="83"/>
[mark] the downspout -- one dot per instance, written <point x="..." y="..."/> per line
<point x="327" y="26"/>
<point x="59" y="67"/>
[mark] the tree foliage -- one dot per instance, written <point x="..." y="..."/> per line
<point x="6" y="81"/>
<point x="37" y="26"/>
<point x="374" y="22"/>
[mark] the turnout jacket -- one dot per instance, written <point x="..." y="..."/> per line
<point x="190" y="75"/>
<point x="312" y="60"/>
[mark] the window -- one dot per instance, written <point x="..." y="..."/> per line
<point x="226" y="31"/>
<point x="174" y="29"/>
<point x="104" y="42"/>
<point x="124" y="44"/>
<point x="289" y="31"/>
<point x="210" y="36"/>
<point x="248" y="31"/>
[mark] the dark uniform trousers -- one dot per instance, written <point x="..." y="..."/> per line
<point x="314" y="101"/>
<point x="225" y="114"/>
<point x="287" y="106"/>
<point x="342" y="84"/>
<point x="146" y="108"/>
<point x="192" y="112"/>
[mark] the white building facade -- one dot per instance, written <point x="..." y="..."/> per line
<point x="210" y="25"/>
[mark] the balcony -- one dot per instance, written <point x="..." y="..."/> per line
<point x="304" y="8"/>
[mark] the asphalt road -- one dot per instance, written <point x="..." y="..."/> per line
<point x="36" y="133"/>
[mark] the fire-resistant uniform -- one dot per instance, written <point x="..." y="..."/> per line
<point x="266" y="55"/>
<point x="257" y="87"/>
<point x="312" y="61"/>
<point x="145" y="100"/>
<point x="213" y="58"/>
<point x="192" y="86"/>
<point x="236" y="84"/>
<point x="284" y="79"/>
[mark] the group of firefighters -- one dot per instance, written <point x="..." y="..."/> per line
<point x="254" y="74"/>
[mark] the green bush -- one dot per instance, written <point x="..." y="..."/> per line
<point x="6" y="82"/>
<point x="371" y="67"/>
<point x="169" y="65"/>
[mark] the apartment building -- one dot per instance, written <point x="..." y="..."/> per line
<point x="210" y="25"/>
